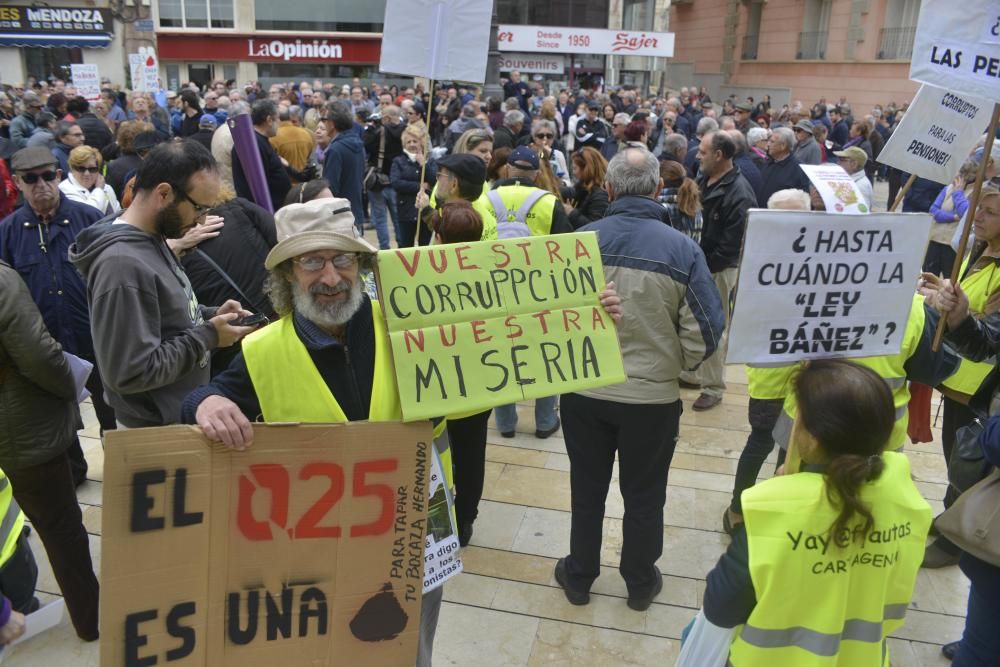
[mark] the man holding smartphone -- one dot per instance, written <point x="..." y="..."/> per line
<point x="152" y="339"/>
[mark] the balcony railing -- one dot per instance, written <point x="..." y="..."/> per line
<point x="750" y="46"/>
<point x="896" y="43"/>
<point x="812" y="46"/>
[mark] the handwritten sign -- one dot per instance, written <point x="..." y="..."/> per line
<point x="817" y="286"/>
<point x="839" y="191"/>
<point x="87" y="81"/>
<point x="475" y="325"/>
<point x="937" y="133"/>
<point x="310" y="544"/>
<point x="958" y="47"/>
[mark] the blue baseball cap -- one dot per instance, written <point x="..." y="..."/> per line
<point x="523" y="157"/>
<point x="208" y="120"/>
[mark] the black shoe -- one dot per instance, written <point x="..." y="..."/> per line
<point x="950" y="650"/>
<point x="464" y="533"/>
<point x="507" y="434"/>
<point x="642" y="603"/>
<point x="941" y="553"/>
<point x="574" y="597"/>
<point x="547" y="432"/>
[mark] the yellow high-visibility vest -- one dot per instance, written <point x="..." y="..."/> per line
<point x="858" y="589"/>
<point x="291" y="389"/>
<point x="483" y="208"/>
<point x="538" y="218"/>
<point x="890" y="368"/>
<point x="978" y="287"/>
<point x="12" y="522"/>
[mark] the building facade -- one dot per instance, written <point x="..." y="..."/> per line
<point x="796" y="50"/>
<point x="43" y="40"/>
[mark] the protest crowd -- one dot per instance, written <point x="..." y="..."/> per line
<point x="137" y="235"/>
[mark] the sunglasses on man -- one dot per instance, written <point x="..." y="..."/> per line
<point x="32" y="177"/>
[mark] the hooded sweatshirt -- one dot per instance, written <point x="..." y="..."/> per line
<point x="151" y="340"/>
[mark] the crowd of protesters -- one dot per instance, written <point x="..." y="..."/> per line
<point x="666" y="180"/>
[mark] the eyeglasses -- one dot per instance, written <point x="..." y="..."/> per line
<point x="200" y="209"/>
<point x="314" y="264"/>
<point x="87" y="170"/>
<point x="544" y="135"/>
<point x="32" y="177"/>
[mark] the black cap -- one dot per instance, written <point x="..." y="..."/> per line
<point x="593" y="104"/>
<point x="465" y="167"/>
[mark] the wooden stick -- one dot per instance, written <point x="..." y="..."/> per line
<point x="423" y="167"/>
<point x="970" y="215"/>
<point x="902" y="193"/>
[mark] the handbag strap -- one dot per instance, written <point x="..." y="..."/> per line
<point x="225" y="276"/>
<point x="381" y="148"/>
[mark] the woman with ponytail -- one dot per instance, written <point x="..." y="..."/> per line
<point x="821" y="570"/>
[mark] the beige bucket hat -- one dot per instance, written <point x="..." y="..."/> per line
<point x="321" y="224"/>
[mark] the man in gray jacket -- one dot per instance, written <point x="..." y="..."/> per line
<point x="152" y="339"/>
<point x="806" y="149"/>
<point x="672" y="320"/>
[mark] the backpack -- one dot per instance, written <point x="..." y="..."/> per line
<point x="510" y="223"/>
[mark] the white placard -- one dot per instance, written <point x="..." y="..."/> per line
<point x="437" y="39"/>
<point x="817" y="286"/>
<point x="839" y="191"/>
<point x="955" y="47"/>
<point x="441" y="547"/>
<point x="937" y="133"/>
<point x="151" y="69"/>
<point x="136" y="72"/>
<point x="87" y="81"/>
<point x="532" y="63"/>
<point x="542" y="39"/>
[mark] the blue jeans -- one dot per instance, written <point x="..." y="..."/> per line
<point x="545" y="415"/>
<point x="980" y="642"/>
<point x="380" y="200"/>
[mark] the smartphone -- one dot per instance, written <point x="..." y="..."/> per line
<point x="250" y="320"/>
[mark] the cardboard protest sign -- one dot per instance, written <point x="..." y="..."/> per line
<point x="957" y="47"/>
<point x="309" y="546"/>
<point x="937" y="133"/>
<point x="87" y="81"/>
<point x="839" y="191"/>
<point x="475" y="325"/>
<point x="817" y="286"/>
<point x="437" y="39"/>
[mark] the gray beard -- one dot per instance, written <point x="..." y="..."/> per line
<point x="331" y="314"/>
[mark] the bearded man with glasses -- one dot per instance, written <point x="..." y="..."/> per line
<point x="153" y="339"/>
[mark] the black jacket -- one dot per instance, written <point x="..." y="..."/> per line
<point x="590" y="206"/>
<point x="240" y="250"/>
<point x="204" y="137"/>
<point x="591" y="133"/>
<point x="95" y="132"/>
<point x="119" y="170"/>
<point x="921" y="195"/>
<point x="393" y="144"/>
<point x="278" y="182"/>
<point x="189" y="124"/>
<point x="405" y="180"/>
<point x="724" y="215"/>
<point x="504" y="138"/>
<point x="781" y="175"/>
<point x="38" y="409"/>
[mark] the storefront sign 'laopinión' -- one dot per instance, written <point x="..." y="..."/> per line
<point x="476" y="325"/>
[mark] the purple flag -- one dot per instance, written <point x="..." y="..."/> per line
<point x="245" y="144"/>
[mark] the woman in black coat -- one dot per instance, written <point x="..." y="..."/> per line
<point x="404" y="176"/>
<point x="591" y="200"/>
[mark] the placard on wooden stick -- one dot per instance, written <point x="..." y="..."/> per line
<point x="308" y="548"/>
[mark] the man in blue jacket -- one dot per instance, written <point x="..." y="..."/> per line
<point x="344" y="165"/>
<point x="35" y="240"/>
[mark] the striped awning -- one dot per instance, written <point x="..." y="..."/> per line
<point x="50" y="40"/>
